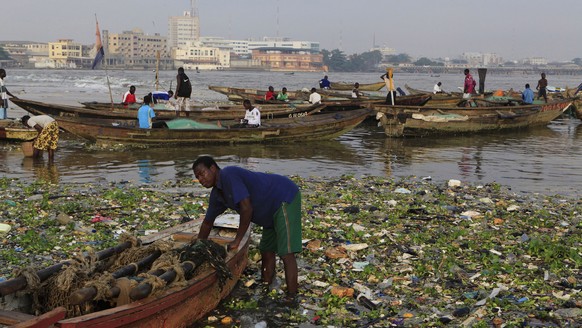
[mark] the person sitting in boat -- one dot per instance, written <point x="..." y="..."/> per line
<point x="270" y="95"/>
<point x="324" y="83"/>
<point x="527" y="95"/>
<point x="146" y="113"/>
<point x="129" y="97"/>
<point x="252" y="116"/>
<point x="437" y="88"/>
<point x="314" y="97"/>
<point x="283" y="96"/>
<point x="170" y="104"/>
<point x="356" y="91"/>
<point x="48" y="134"/>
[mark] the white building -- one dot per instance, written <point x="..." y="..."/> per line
<point x="198" y="56"/>
<point x="536" y="61"/>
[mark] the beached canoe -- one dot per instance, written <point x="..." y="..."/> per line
<point x="14" y="130"/>
<point x="402" y="121"/>
<point x="232" y="112"/>
<point x="301" y="128"/>
<point x="363" y="86"/>
<point x="175" y="305"/>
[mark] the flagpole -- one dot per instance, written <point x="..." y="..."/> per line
<point x="105" y="64"/>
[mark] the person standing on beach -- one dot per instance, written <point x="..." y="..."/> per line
<point x="542" y="88"/>
<point x="183" y="91"/>
<point x="4" y="93"/>
<point x="48" y="134"/>
<point x="270" y="200"/>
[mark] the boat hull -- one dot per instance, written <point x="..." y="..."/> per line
<point x="302" y="128"/>
<point x="401" y="121"/>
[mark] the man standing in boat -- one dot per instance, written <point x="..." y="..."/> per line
<point x="4" y="93"/>
<point x="542" y="88"/>
<point x="183" y="91"/>
<point x="270" y="200"/>
<point x="469" y="85"/>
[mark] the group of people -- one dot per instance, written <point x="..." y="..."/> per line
<point x="281" y="96"/>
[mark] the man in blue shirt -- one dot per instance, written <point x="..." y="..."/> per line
<point x="527" y="95"/>
<point x="324" y="83"/>
<point x="269" y="200"/>
<point x="145" y="114"/>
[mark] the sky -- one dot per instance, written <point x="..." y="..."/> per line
<point x="513" y="29"/>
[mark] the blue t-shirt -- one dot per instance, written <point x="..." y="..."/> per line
<point x="324" y="83"/>
<point x="527" y="96"/>
<point x="266" y="191"/>
<point x="144" y="116"/>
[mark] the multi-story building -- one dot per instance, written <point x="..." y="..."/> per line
<point x="537" y="61"/>
<point x="65" y="53"/>
<point x="288" y="59"/>
<point x="198" y="56"/>
<point x="135" y="49"/>
<point x="183" y="30"/>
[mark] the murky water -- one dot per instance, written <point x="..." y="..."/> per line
<point x="543" y="160"/>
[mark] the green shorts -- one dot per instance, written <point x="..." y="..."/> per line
<point x="285" y="236"/>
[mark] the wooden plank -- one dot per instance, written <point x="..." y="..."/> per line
<point x="11" y="318"/>
<point x="170" y="231"/>
<point x="43" y="321"/>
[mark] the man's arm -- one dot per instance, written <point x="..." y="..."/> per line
<point x="205" y="229"/>
<point x="178" y="85"/>
<point x="246" y="213"/>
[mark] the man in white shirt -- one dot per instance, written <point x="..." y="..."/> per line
<point x="4" y="93"/>
<point x="314" y="97"/>
<point x="252" y="117"/>
<point x="437" y="88"/>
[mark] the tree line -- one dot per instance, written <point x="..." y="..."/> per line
<point x="336" y="60"/>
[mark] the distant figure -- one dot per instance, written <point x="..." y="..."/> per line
<point x="270" y="95"/>
<point x="527" y="95"/>
<point x="283" y="96"/>
<point x="356" y="91"/>
<point x="324" y="83"/>
<point x="129" y="96"/>
<point x="469" y="85"/>
<point x="4" y="93"/>
<point x="252" y="116"/>
<point x="183" y="90"/>
<point x="542" y="88"/>
<point x="48" y="134"/>
<point x="437" y="88"/>
<point x="314" y="97"/>
<point x="391" y="96"/>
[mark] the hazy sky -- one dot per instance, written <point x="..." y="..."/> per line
<point x="513" y="29"/>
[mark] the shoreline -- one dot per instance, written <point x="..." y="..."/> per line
<point x="427" y="253"/>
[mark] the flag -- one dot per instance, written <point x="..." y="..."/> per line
<point x="99" y="47"/>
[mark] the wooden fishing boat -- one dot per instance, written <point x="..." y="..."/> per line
<point x="240" y="94"/>
<point x="177" y="305"/>
<point x="301" y="128"/>
<point x="401" y="121"/>
<point x="12" y="130"/>
<point x="232" y="112"/>
<point x="363" y="86"/>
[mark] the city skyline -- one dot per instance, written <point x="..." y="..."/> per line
<point x="419" y="28"/>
